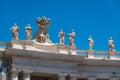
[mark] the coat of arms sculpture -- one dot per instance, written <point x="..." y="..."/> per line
<point x="42" y="36"/>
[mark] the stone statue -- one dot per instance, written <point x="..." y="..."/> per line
<point x="28" y="31"/>
<point x="61" y="36"/>
<point x="14" y="31"/>
<point x="47" y="39"/>
<point x="43" y="25"/>
<point x="111" y="44"/>
<point x="91" y="42"/>
<point x="71" y="38"/>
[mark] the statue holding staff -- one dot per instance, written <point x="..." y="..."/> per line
<point x="91" y="42"/>
<point x="71" y="38"/>
<point x="61" y="36"/>
<point x="14" y="31"/>
<point x="28" y="31"/>
<point x="111" y="44"/>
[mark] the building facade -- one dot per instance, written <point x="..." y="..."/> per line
<point x="40" y="59"/>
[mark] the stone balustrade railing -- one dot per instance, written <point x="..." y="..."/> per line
<point x="86" y="53"/>
<point x="99" y="54"/>
<point x="3" y="46"/>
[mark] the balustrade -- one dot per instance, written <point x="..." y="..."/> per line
<point x="3" y="45"/>
<point x="99" y="54"/>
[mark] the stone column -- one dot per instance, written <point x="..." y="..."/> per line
<point x="3" y="77"/>
<point x="73" y="77"/>
<point x="114" y="78"/>
<point x="26" y="75"/>
<point x="91" y="78"/>
<point x="14" y="74"/>
<point x="61" y="76"/>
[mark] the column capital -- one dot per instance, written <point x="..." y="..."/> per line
<point x="91" y="78"/>
<point x="114" y="78"/>
<point x="61" y="76"/>
<point x="27" y="74"/>
<point x="73" y="77"/>
<point x="27" y="71"/>
<point x="15" y="71"/>
<point x="14" y="74"/>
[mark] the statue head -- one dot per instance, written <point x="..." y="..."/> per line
<point x="90" y="36"/>
<point x="48" y="20"/>
<point x="61" y="30"/>
<point x="110" y="38"/>
<point x="15" y="24"/>
<point x="28" y="27"/>
<point x="72" y="30"/>
<point x="38" y="18"/>
<point x="44" y="18"/>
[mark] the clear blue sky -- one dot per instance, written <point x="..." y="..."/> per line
<point x="99" y="18"/>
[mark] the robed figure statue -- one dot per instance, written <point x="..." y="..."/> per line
<point x="14" y="31"/>
<point x="28" y="31"/>
<point x="91" y="42"/>
<point x="61" y="36"/>
<point x="71" y="38"/>
<point x="111" y="44"/>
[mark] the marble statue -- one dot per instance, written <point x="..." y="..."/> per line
<point x="61" y="36"/>
<point x="111" y="44"/>
<point x="43" y="25"/>
<point x="47" y="39"/>
<point x="91" y="42"/>
<point x="28" y="31"/>
<point x="14" y="31"/>
<point x="71" y="38"/>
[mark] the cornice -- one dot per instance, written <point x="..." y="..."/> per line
<point x="42" y="55"/>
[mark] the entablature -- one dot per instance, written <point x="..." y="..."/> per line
<point x="42" y="55"/>
<point x="100" y="62"/>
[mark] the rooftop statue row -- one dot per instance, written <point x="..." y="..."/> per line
<point x="15" y="30"/>
<point x="42" y="36"/>
<point x="70" y="37"/>
<point x="110" y="43"/>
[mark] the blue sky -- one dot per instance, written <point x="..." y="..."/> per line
<point x="99" y="18"/>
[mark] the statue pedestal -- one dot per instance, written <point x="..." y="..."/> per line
<point x="90" y="53"/>
<point x="44" y="47"/>
<point x="111" y="54"/>
<point x="71" y="50"/>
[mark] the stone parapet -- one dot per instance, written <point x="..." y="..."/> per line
<point x="42" y="55"/>
<point x="44" y="47"/>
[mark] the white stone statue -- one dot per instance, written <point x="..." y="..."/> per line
<point x="71" y="38"/>
<point x="91" y="42"/>
<point x="47" y="39"/>
<point x="61" y="36"/>
<point x="14" y="31"/>
<point x="111" y="44"/>
<point x="43" y="26"/>
<point x="28" y="31"/>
